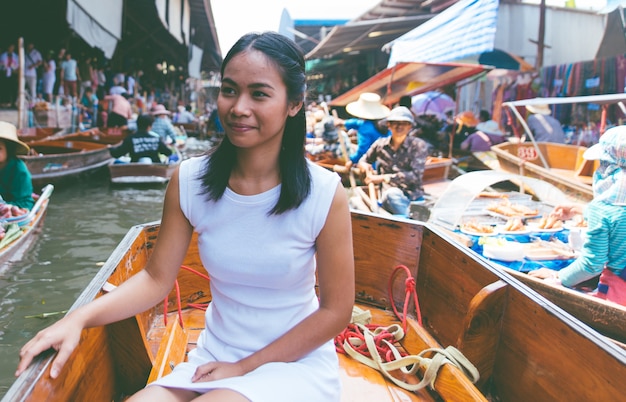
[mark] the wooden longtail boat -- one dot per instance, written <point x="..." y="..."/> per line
<point x="566" y="168"/>
<point x="99" y="135"/>
<point x="607" y="318"/>
<point x="143" y="173"/>
<point x="559" y="164"/>
<point x="524" y="347"/>
<point x="37" y="133"/>
<point x="58" y="161"/>
<point x="30" y="225"/>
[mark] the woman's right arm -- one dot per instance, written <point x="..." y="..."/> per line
<point x="139" y="293"/>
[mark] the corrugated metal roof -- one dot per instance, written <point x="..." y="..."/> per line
<point x="381" y="24"/>
<point x="465" y="29"/>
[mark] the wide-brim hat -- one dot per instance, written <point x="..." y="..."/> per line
<point x="8" y="132"/>
<point x="489" y="127"/>
<point x="611" y="147"/>
<point x="368" y="107"/>
<point x="401" y="113"/>
<point x="467" y="119"/>
<point x="160" y="110"/>
<point x="539" y="109"/>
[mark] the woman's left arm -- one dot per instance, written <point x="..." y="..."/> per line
<point x="335" y="269"/>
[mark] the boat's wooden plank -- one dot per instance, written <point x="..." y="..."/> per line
<point x="130" y="353"/>
<point x="607" y="318"/>
<point x="172" y="350"/>
<point x="94" y="355"/>
<point x="361" y="383"/>
<point x="481" y="329"/>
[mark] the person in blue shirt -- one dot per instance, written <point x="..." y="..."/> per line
<point x="142" y="144"/>
<point x="163" y="125"/>
<point x="368" y="111"/>
<point x="603" y="253"/>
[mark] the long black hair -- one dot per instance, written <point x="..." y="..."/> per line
<point x="294" y="173"/>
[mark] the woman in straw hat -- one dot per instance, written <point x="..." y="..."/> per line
<point x="162" y="124"/>
<point x="603" y="253"/>
<point x="16" y="187"/>
<point x="465" y="125"/>
<point x="368" y="110"/>
<point x="544" y="127"/>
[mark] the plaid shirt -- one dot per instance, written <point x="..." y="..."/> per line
<point x="164" y="128"/>
<point x="407" y="163"/>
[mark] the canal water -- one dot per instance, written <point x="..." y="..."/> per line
<point x="84" y="223"/>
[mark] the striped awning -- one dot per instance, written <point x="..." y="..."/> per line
<point x="467" y="28"/>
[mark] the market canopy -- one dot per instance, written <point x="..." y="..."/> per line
<point x="99" y="23"/>
<point x="465" y="29"/>
<point x="408" y="79"/>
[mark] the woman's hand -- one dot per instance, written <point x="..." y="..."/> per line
<point x="547" y="274"/>
<point x="217" y="371"/>
<point x="62" y="336"/>
<point x="566" y="212"/>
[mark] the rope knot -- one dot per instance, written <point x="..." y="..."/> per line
<point x="410" y="284"/>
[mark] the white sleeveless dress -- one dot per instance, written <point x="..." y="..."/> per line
<point x="262" y="270"/>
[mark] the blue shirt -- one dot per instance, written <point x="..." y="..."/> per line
<point x="367" y="133"/>
<point x="604" y="245"/>
<point x="164" y="128"/>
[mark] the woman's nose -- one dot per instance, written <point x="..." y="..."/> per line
<point x="240" y="106"/>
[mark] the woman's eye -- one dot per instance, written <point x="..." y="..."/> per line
<point x="259" y="94"/>
<point x="227" y="91"/>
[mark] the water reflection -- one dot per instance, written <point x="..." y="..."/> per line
<point x="84" y="224"/>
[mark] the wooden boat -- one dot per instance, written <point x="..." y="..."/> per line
<point x="59" y="161"/>
<point x="99" y="135"/>
<point x="457" y="203"/>
<point x="559" y="164"/>
<point x="564" y="165"/>
<point x="524" y="347"/>
<point x="30" y="225"/>
<point x="37" y="133"/>
<point x="143" y="173"/>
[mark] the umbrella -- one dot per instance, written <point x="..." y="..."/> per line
<point x="432" y="102"/>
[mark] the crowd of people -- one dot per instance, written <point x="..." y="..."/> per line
<point x="104" y="97"/>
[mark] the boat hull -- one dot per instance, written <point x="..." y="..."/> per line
<point x="525" y="347"/>
<point x="59" y="161"/>
<point x="141" y="173"/>
<point x="31" y="228"/>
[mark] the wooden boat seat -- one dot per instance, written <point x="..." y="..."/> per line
<point x="172" y="350"/>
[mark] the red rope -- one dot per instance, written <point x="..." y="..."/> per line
<point x="409" y="291"/>
<point x="178" y="298"/>
<point x="353" y="332"/>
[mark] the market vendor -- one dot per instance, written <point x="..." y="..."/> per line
<point x="400" y="161"/>
<point x="368" y="111"/>
<point x="544" y="127"/>
<point x="603" y="253"/>
<point x="16" y="187"/>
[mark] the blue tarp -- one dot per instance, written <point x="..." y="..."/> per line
<point x="467" y="28"/>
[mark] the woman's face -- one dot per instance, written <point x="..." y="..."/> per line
<point x="3" y="152"/>
<point x="252" y="103"/>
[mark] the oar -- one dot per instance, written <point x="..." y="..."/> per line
<point x="373" y="197"/>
